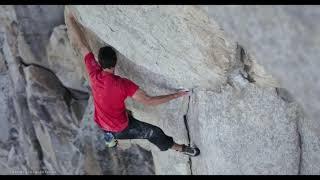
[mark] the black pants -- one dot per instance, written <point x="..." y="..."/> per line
<point x="141" y="130"/>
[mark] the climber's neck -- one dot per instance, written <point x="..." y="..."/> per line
<point x="111" y="70"/>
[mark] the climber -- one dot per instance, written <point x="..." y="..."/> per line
<point x="109" y="93"/>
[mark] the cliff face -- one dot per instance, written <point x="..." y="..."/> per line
<point x="45" y="127"/>
<point x="285" y="41"/>
<point x="237" y="114"/>
<point x="240" y="117"/>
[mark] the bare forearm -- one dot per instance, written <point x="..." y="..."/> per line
<point x="76" y="35"/>
<point x="144" y="98"/>
<point x="156" y="100"/>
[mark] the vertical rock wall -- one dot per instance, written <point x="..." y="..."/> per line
<point x="237" y="114"/>
<point x="44" y="95"/>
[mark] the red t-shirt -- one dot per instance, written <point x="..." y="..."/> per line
<point x="109" y="93"/>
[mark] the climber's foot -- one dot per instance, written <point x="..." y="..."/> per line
<point x="110" y="140"/>
<point x="190" y="151"/>
<point x="112" y="143"/>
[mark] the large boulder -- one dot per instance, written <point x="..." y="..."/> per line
<point x="247" y="131"/>
<point x="42" y="40"/>
<point x="22" y="145"/>
<point x="24" y="151"/>
<point x="36" y="24"/>
<point x="54" y="125"/>
<point x="63" y="60"/>
<point x="285" y="40"/>
<point x="43" y="126"/>
<point x="236" y="114"/>
<point x="241" y="118"/>
<point x="144" y="39"/>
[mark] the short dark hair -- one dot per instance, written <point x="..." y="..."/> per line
<point x="107" y="57"/>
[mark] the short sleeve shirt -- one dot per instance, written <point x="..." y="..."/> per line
<point x="109" y="93"/>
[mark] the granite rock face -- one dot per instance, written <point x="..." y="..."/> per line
<point x="36" y="24"/>
<point x="247" y="131"/>
<point x="150" y="41"/>
<point x="52" y="120"/>
<point x="43" y="102"/>
<point x="3" y="66"/>
<point x="285" y="40"/>
<point x="64" y="62"/>
<point x="241" y="118"/>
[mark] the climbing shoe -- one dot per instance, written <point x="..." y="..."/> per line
<point x="190" y="151"/>
<point x="110" y="140"/>
<point x="111" y="144"/>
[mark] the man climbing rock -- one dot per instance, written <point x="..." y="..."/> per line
<point x="110" y="91"/>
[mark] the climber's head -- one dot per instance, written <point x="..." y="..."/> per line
<point x="107" y="57"/>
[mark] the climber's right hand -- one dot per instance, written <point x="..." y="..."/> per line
<point x="182" y="93"/>
<point x="76" y="35"/>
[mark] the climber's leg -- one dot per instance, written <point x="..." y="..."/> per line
<point x="141" y="130"/>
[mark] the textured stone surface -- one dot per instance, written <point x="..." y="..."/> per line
<point x="247" y="131"/>
<point x="151" y="34"/>
<point x="41" y="120"/>
<point x="52" y="119"/>
<point x="126" y="158"/>
<point x="3" y="66"/>
<point x="147" y="56"/>
<point x="280" y="37"/>
<point x="63" y="60"/>
<point x="243" y="122"/>
<point x="164" y="116"/>
<point x="6" y="133"/>
<point x="22" y="144"/>
<point x="36" y="23"/>
<point x="39" y="42"/>
<point x="285" y="40"/>
<point x="4" y="98"/>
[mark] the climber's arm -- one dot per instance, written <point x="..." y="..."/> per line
<point x="76" y="35"/>
<point x="144" y="98"/>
